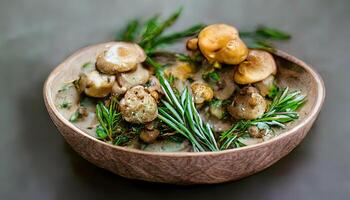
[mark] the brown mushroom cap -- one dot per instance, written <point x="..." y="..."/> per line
<point x="120" y="57"/>
<point x="138" y="106"/>
<point x="221" y="43"/>
<point x="127" y="80"/>
<point x="201" y="92"/>
<point x="258" y="66"/>
<point x="95" y="84"/>
<point x="248" y="104"/>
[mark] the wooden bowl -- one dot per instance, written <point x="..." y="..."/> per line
<point x="188" y="167"/>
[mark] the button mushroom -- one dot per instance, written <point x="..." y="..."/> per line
<point x="121" y="57"/>
<point x="95" y="84"/>
<point x="258" y="66"/>
<point x="201" y="92"/>
<point x="248" y="104"/>
<point x="154" y="88"/>
<point x="138" y="106"/>
<point x="149" y="136"/>
<point x="221" y="43"/>
<point x="180" y="70"/>
<point x="127" y="80"/>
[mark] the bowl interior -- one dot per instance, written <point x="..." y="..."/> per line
<point x="291" y="72"/>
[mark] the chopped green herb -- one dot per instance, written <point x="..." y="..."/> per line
<point x="65" y="105"/>
<point x="108" y="117"/>
<point x="121" y="139"/>
<point x="65" y="87"/>
<point x="87" y="65"/>
<point x="75" y="116"/>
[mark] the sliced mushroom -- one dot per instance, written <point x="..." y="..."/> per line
<point x="201" y="92"/>
<point x="127" y="80"/>
<point x="138" y="106"/>
<point x="258" y="66"/>
<point x="221" y="43"/>
<point x="95" y="84"/>
<point x="248" y="104"/>
<point x="121" y="57"/>
<point x="267" y="86"/>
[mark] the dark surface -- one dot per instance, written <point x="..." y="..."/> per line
<point x="35" y="36"/>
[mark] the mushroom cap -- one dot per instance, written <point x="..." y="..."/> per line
<point x="248" y="104"/>
<point x="138" y="106"/>
<point x="95" y="84"/>
<point x="258" y="66"/>
<point x="127" y="80"/>
<point x="120" y="57"/>
<point x="221" y="42"/>
<point x="201" y="92"/>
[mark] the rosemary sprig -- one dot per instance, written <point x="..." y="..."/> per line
<point x="108" y="118"/>
<point x="150" y="34"/>
<point x="179" y="112"/>
<point x="281" y="110"/>
<point x="263" y="37"/>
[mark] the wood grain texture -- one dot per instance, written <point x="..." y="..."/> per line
<point x="182" y="168"/>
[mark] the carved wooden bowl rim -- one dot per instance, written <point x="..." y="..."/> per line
<point x="308" y="119"/>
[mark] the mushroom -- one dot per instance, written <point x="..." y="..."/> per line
<point x="226" y="86"/>
<point x="267" y="86"/>
<point x="149" y="136"/>
<point x="221" y="43"/>
<point x="248" y="104"/>
<point x="138" y="106"/>
<point x="127" y="80"/>
<point x="120" y="57"/>
<point x="201" y="92"/>
<point x="154" y="88"/>
<point x="258" y="66"/>
<point x="95" y="84"/>
<point x="192" y="44"/>
<point x="180" y="70"/>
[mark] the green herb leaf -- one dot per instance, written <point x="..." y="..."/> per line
<point x="130" y="32"/>
<point x="87" y="65"/>
<point x="75" y="116"/>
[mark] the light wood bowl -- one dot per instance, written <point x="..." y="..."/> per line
<point x="188" y="167"/>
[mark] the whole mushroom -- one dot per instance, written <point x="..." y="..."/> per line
<point x="221" y="43"/>
<point x="201" y="92"/>
<point x="95" y="84"/>
<point x="127" y="80"/>
<point x="120" y="57"/>
<point x="258" y="66"/>
<point x="138" y="106"/>
<point x="248" y="104"/>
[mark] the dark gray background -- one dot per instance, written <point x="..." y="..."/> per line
<point x="36" y="35"/>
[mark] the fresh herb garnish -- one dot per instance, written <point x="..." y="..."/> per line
<point x="65" y="105"/>
<point x="263" y="37"/>
<point x="150" y="34"/>
<point x="281" y="110"/>
<point x="87" y="65"/>
<point x="75" y="116"/>
<point x="108" y="118"/>
<point x="178" y="112"/>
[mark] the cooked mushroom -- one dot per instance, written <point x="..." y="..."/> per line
<point x="149" y="136"/>
<point x="201" y="92"/>
<point x="138" y="106"/>
<point x="267" y="86"/>
<point x="248" y="104"/>
<point x="192" y="44"/>
<point x="154" y="88"/>
<point x="226" y="86"/>
<point x="121" y="57"/>
<point x="258" y="66"/>
<point x="180" y="70"/>
<point x="127" y="80"/>
<point x="221" y="43"/>
<point x="95" y="84"/>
